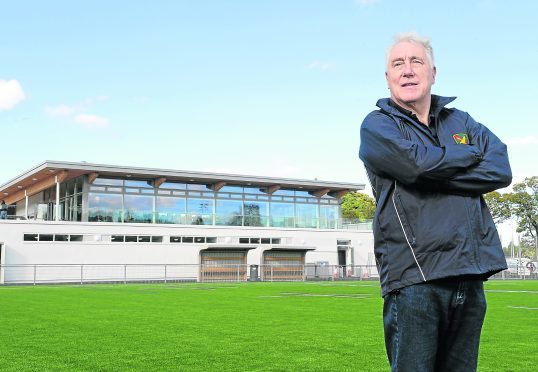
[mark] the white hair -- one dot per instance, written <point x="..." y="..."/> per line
<point x="412" y="37"/>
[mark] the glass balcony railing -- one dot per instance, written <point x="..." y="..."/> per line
<point x="109" y="215"/>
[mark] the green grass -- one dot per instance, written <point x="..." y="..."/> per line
<point x="320" y="326"/>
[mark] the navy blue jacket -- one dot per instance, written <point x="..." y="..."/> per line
<point x="431" y="221"/>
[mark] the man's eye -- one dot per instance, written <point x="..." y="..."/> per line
<point x="397" y="64"/>
<point x="416" y="60"/>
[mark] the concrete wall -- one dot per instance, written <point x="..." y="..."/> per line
<point x="98" y="249"/>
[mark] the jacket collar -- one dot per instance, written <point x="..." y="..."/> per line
<point x="438" y="103"/>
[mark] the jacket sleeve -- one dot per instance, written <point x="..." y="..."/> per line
<point x="386" y="152"/>
<point x="492" y="173"/>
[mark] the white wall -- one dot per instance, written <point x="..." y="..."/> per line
<point x="98" y="249"/>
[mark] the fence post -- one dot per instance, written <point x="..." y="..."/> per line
<point x="35" y="273"/>
<point x="81" y="274"/>
<point x="124" y="274"/>
<point x="238" y="278"/>
<point x="165" y="274"/>
<point x="271" y="272"/>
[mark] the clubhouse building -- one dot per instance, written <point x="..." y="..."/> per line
<point x="203" y="225"/>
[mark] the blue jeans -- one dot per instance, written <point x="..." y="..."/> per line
<point x="435" y="326"/>
<point x="3" y="214"/>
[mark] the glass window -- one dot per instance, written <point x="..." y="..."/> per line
<point x="244" y="240"/>
<point x="171" y="210"/>
<point x="117" y="238"/>
<point x="198" y="187"/>
<point x="256" y="213"/>
<point x="282" y="215"/>
<point x="108" y="181"/>
<point x="328" y="215"/>
<point x="306" y="215"/>
<point x="30" y="237"/>
<point x="229" y="212"/>
<point x="284" y="192"/>
<point x="104" y="207"/>
<point x="175" y="239"/>
<point x="131" y="238"/>
<point x="138" y="208"/>
<point x="187" y="239"/>
<point x="266" y="241"/>
<point x="253" y="190"/>
<point x="275" y="240"/>
<point x="61" y="237"/>
<point x="211" y="239"/>
<point x="236" y="189"/>
<point x="75" y="238"/>
<point x="254" y="240"/>
<point x="137" y="183"/>
<point x="46" y="237"/>
<point x="302" y="193"/>
<point x="173" y="185"/>
<point x="144" y="239"/>
<point x="114" y="189"/>
<point x="200" y="211"/>
<point x="199" y="239"/>
<point x="156" y="239"/>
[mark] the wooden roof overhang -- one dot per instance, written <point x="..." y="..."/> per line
<point x="48" y="173"/>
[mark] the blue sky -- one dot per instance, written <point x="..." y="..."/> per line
<point x="274" y="88"/>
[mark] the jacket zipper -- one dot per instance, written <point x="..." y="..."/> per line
<point x="405" y="234"/>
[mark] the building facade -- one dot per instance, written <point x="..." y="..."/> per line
<point x="64" y="213"/>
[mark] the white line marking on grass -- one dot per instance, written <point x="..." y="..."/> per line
<point x="523" y="307"/>
<point x="338" y="295"/>
<point x="509" y="291"/>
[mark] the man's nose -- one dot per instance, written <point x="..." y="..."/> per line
<point x="408" y="70"/>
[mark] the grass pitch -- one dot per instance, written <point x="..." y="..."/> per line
<point x="319" y="326"/>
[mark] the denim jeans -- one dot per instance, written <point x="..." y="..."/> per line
<point x="434" y="326"/>
<point x="3" y="214"/>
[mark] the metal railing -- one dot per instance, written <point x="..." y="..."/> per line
<point x="128" y="273"/>
<point x="132" y="273"/>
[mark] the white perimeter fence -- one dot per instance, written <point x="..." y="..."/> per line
<point x="119" y="273"/>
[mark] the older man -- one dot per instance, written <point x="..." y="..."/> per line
<point x="435" y="240"/>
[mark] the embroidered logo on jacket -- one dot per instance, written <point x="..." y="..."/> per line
<point x="461" y="138"/>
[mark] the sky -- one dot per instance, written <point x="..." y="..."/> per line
<point x="271" y="88"/>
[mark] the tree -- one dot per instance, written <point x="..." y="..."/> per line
<point x="498" y="206"/>
<point x="358" y="205"/>
<point x="524" y="201"/>
<point x="521" y="204"/>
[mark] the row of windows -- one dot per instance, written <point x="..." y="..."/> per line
<point x="140" y="239"/>
<point x="259" y="240"/>
<point x="222" y="195"/>
<point x="142" y="186"/>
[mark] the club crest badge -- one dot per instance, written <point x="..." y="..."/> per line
<point x="461" y="138"/>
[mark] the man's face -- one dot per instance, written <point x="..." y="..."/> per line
<point x="410" y="74"/>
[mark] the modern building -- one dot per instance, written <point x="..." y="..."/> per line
<point x="65" y="214"/>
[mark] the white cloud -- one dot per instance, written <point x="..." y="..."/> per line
<point x="11" y="94"/>
<point x="527" y="140"/>
<point x="91" y="121"/>
<point x="321" y="65"/>
<point x="60" y="110"/>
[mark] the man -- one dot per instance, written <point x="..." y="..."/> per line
<point x="3" y="210"/>
<point x="435" y="240"/>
